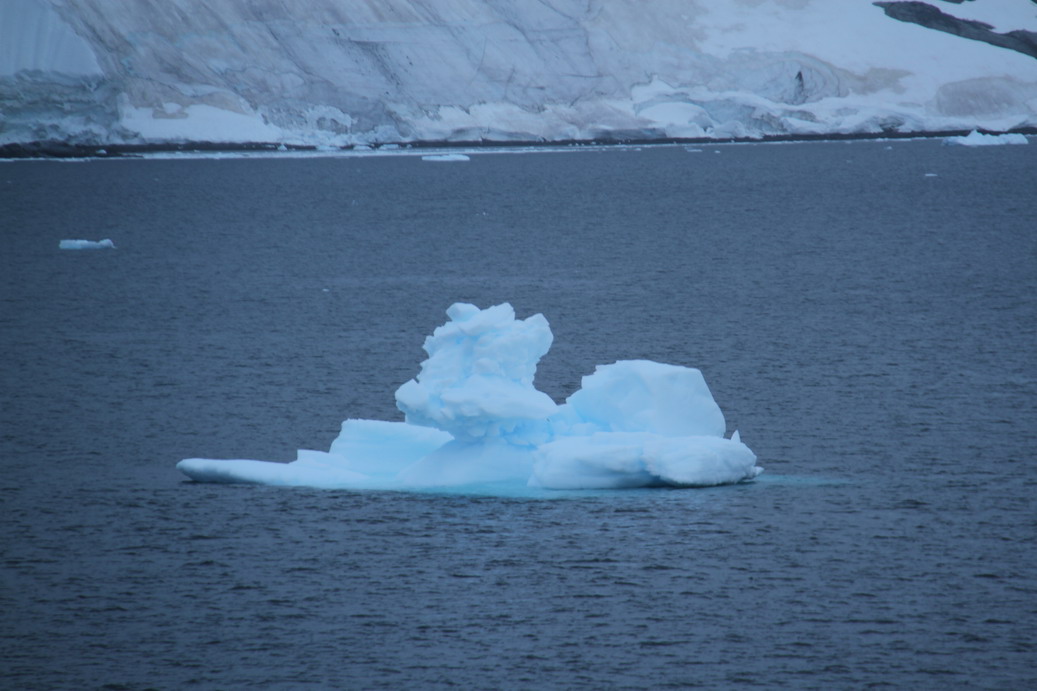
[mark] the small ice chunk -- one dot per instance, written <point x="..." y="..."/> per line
<point x="86" y="244"/>
<point x="977" y="138"/>
<point x="445" y="157"/>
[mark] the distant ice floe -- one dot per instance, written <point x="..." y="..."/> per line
<point x="105" y="244"/>
<point x="474" y="418"/>
<point x="976" y="138"/>
<point x="445" y="157"/>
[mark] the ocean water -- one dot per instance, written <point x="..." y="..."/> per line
<point x="864" y="314"/>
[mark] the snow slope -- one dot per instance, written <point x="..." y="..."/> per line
<point x="347" y="72"/>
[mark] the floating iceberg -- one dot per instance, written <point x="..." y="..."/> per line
<point x="445" y="157"/>
<point x="976" y="138"/>
<point x="474" y="417"/>
<point x="86" y="244"/>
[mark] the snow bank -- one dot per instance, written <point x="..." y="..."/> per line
<point x="975" y="138"/>
<point x="473" y="416"/>
<point x="86" y="244"/>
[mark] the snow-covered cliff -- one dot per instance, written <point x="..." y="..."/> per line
<point x="341" y="72"/>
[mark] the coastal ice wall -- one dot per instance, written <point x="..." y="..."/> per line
<point x="331" y="72"/>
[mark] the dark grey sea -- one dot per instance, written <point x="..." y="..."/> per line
<point x="865" y="314"/>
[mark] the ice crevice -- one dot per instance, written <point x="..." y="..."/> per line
<point x="472" y="416"/>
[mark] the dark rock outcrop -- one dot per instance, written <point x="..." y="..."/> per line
<point x="931" y="17"/>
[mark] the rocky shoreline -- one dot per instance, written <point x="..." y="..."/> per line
<point x="64" y="150"/>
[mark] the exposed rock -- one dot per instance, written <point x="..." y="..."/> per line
<point x="931" y="17"/>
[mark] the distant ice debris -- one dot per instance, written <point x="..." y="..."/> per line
<point x="86" y="244"/>
<point x="976" y="138"/>
<point x="474" y="417"/>
<point x="445" y="157"/>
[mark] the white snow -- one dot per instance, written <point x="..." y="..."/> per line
<point x="34" y="37"/>
<point x="172" y="123"/>
<point x="86" y="244"/>
<point x="474" y="417"/>
<point x="975" y="138"/>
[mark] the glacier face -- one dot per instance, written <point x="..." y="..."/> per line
<point x="329" y="72"/>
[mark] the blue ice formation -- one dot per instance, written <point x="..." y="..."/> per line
<point x="474" y="417"/>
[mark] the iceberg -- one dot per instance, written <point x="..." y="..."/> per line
<point x="105" y="244"/>
<point x="445" y="157"/>
<point x="977" y="138"/>
<point x="472" y="416"/>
